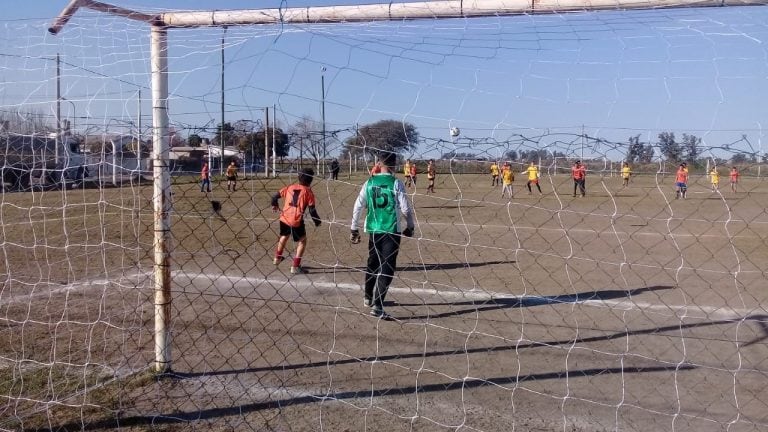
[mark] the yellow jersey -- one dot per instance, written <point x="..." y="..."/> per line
<point x="714" y="176"/>
<point x="494" y="170"/>
<point x="407" y="169"/>
<point x="507" y="177"/>
<point x="626" y="172"/>
<point x="533" y="172"/>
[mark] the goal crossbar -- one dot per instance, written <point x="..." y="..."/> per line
<point x="380" y="11"/>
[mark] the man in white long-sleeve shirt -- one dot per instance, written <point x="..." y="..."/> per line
<point x="385" y="199"/>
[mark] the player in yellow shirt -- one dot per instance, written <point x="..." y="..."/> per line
<point x="494" y="174"/>
<point x="407" y="172"/>
<point x="507" y="178"/>
<point x="533" y="177"/>
<point x="626" y="173"/>
<point x="714" y="177"/>
<point x="431" y="175"/>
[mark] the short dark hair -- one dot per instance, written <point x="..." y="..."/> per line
<point x="305" y="176"/>
<point x="388" y="158"/>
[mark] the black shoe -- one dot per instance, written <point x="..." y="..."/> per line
<point x="379" y="312"/>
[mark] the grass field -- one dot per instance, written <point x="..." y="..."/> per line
<point x="624" y="310"/>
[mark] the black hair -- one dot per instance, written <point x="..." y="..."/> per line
<point x="305" y="176"/>
<point x="388" y="158"/>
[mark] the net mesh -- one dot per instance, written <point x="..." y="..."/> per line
<point x="630" y="308"/>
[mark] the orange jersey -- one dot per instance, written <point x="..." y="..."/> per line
<point x="682" y="176"/>
<point x="297" y="199"/>
<point x="579" y="172"/>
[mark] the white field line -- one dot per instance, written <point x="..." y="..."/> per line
<point x="690" y="310"/>
<point x="344" y="222"/>
<point x="696" y="311"/>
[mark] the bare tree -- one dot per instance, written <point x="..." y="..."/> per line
<point x="307" y="138"/>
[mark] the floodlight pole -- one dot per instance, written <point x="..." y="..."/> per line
<point x="161" y="196"/>
<point x="221" y="167"/>
<point x="321" y="168"/>
<point x="58" y="109"/>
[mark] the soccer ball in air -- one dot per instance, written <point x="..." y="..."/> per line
<point x="455" y="131"/>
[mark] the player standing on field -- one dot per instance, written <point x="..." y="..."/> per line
<point x="714" y="177"/>
<point x="385" y="199"/>
<point x="681" y="181"/>
<point x="205" y="177"/>
<point x="407" y="172"/>
<point x="298" y="198"/>
<point x="626" y="172"/>
<point x="232" y="176"/>
<point x="533" y="177"/>
<point x="579" y="173"/>
<point x="431" y="174"/>
<point x="494" y="174"/>
<point x="734" y="175"/>
<point x="507" y="177"/>
<point x="414" y="172"/>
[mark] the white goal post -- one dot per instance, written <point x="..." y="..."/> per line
<point x="160" y="23"/>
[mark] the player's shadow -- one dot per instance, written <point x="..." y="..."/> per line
<point x="412" y="267"/>
<point x="453" y="206"/>
<point x="183" y="417"/>
<point x="479" y="306"/>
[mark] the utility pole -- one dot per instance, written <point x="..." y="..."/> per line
<point x="266" y="147"/>
<point x="322" y="113"/>
<point x="58" y="109"/>
<point x="221" y="165"/>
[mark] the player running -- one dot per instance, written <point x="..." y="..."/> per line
<point x="298" y="199"/>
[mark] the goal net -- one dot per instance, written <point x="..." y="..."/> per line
<point x="635" y="303"/>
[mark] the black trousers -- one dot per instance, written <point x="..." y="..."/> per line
<point x="382" y="260"/>
<point x="581" y="185"/>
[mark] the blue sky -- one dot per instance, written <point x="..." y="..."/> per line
<point x="546" y="78"/>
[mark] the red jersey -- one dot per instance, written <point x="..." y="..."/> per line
<point x="297" y="199"/>
<point x="734" y="176"/>
<point x="204" y="174"/>
<point x="413" y="170"/>
<point x="682" y="175"/>
<point x="578" y="172"/>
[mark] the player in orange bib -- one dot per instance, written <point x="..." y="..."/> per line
<point x="298" y="199"/>
<point x="734" y="175"/>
